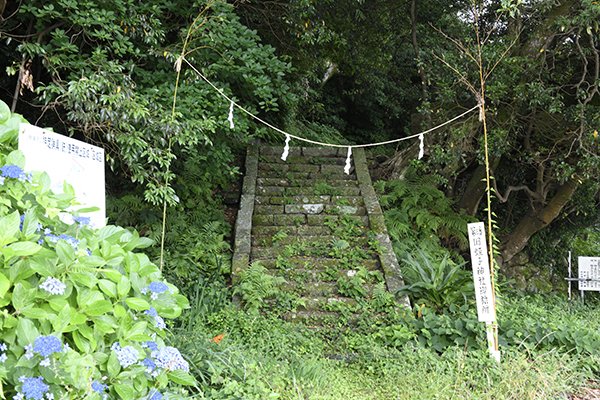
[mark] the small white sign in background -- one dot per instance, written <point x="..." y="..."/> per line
<point x="66" y="159"/>
<point x="481" y="272"/>
<point x="589" y="268"/>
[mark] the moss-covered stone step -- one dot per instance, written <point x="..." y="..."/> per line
<point x="277" y="150"/>
<point x="279" y="219"/>
<point x="297" y="219"/>
<point x="318" y="184"/>
<point x="327" y="275"/>
<point x="283" y="239"/>
<point x="310" y="151"/>
<point x="311" y="289"/>
<point x="303" y="230"/>
<point x="345" y="209"/>
<point x="294" y="159"/>
<point x="347" y="200"/>
<point x="312" y="191"/>
<point x="326" y="304"/>
<point x="282" y="191"/>
<point x="277" y="200"/>
<point x="316" y="263"/>
<point x="268" y="209"/>
<point x="318" y="319"/>
<point x="315" y="199"/>
<point x="312" y="249"/>
<point x="324" y="219"/>
<point x="278" y="173"/>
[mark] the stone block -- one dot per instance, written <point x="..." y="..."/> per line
<point x="272" y="230"/>
<point x="270" y="190"/>
<point x="333" y="169"/>
<point x="347" y="200"/>
<point x="320" y="151"/>
<point x="308" y="230"/>
<point x="311" y="199"/>
<point x="318" y="219"/>
<point x="349" y="210"/>
<point x="304" y="208"/>
<point x="348" y="191"/>
<point x="289" y="219"/>
<point x="262" y="220"/>
<point x="278" y="150"/>
<point x="267" y="209"/>
<point x="262" y="200"/>
<point x="264" y="166"/>
<point x="261" y="182"/>
<point x="303" y="168"/>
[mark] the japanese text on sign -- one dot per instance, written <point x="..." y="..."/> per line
<point x="589" y="273"/>
<point x="481" y="272"/>
<point x="65" y="159"/>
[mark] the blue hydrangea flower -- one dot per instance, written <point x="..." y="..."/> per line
<point x="155" y="288"/>
<point x="151" y="312"/>
<point x="155" y="395"/>
<point x="127" y="355"/>
<point x="3" y="349"/>
<point x="158" y="287"/>
<point x="53" y="286"/>
<point x="47" y="345"/>
<point x="14" y="172"/>
<point x="33" y="388"/>
<point x="170" y="359"/>
<point x="99" y="387"/>
<point x="29" y="351"/>
<point x="150" y="366"/>
<point x="151" y="345"/>
<point x="67" y="238"/>
<point x="159" y="322"/>
<point x="82" y="220"/>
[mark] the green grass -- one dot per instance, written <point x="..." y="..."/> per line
<point x="263" y="357"/>
<point x="422" y="374"/>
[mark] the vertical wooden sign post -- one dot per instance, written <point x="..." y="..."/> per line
<point x="484" y="293"/>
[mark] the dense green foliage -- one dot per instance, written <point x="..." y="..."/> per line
<point x="105" y="71"/>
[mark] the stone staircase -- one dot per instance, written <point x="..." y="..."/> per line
<point x="321" y="230"/>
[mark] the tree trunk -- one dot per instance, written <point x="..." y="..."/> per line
<point x="396" y="166"/>
<point x="536" y="221"/>
<point x="475" y="189"/>
<point x="542" y="37"/>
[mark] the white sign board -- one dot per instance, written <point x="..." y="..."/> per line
<point x="589" y="268"/>
<point x="481" y="272"/>
<point x="67" y="159"/>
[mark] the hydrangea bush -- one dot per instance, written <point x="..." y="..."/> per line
<point x="82" y="313"/>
